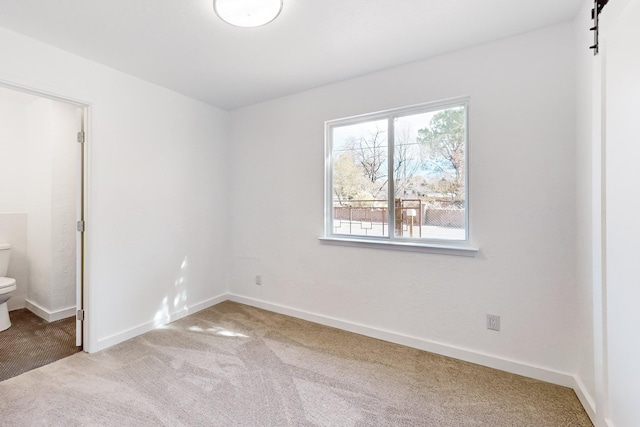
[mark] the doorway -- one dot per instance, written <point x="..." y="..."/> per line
<point x="42" y="212"/>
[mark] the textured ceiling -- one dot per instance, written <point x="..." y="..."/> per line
<point x="182" y="45"/>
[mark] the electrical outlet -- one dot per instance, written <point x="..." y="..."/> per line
<point x="259" y="280"/>
<point x="493" y="322"/>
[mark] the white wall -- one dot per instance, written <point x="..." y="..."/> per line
<point x="522" y="216"/>
<point x="38" y="179"/>
<point x="39" y="140"/>
<point x="52" y="165"/>
<point x="158" y="174"/>
<point x="584" y="200"/>
<point x="13" y="188"/>
<point x="621" y="34"/>
<point x="13" y="157"/>
<point x="65" y="170"/>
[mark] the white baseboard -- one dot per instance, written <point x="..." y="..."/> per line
<point x="156" y="323"/>
<point x="49" y="316"/>
<point x="491" y="361"/>
<point x="585" y="398"/>
<point x="488" y="360"/>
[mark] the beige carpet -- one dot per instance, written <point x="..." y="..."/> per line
<point x="234" y="365"/>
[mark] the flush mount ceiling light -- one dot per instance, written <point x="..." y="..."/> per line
<point x="247" y="13"/>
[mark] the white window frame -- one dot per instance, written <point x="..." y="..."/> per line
<point x="441" y="246"/>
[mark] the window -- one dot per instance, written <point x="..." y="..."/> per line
<point x="399" y="176"/>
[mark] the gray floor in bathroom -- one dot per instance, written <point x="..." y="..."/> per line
<point x="32" y="342"/>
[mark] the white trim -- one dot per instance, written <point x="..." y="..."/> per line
<point x="488" y="360"/>
<point x="156" y="323"/>
<point x="49" y="316"/>
<point x="392" y="241"/>
<point x="63" y="314"/>
<point x="443" y="249"/>
<point x="425" y="107"/>
<point x="19" y="84"/>
<point x="41" y="93"/>
<point x="467" y="355"/>
<point x="90" y="335"/>
<point x="585" y="398"/>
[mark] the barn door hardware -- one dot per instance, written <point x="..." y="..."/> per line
<point x="598" y="5"/>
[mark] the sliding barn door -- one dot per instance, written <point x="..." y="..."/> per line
<point x="622" y="138"/>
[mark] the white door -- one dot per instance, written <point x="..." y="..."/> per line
<point x="622" y="138"/>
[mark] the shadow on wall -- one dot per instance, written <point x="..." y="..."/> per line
<point x="174" y="305"/>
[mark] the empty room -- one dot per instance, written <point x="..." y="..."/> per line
<point x="335" y="213"/>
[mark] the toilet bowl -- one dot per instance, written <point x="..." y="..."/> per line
<point x="7" y="286"/>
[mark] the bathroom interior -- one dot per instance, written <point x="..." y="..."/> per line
<point x="39" y="181"/>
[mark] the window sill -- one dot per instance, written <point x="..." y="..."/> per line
<point x="443" y="249"/>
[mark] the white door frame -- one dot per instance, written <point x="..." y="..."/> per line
<point x="82" y="327"/>
<point x="80" y="223"/>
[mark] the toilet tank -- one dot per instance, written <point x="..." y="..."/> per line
<point x="5" y="251"/>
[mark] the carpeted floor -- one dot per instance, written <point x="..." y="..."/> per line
<point x="32" y="342"/>
<point x="234" y="365"/>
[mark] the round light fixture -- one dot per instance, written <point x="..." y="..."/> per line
<point x="247" y="13"/>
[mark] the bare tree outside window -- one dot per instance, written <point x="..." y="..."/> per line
<point x="428" y="175"/>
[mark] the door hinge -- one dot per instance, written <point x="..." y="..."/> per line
<point x="80" y="315"/>
<point x="80" y="226"/>
<point x="80" y="137"/>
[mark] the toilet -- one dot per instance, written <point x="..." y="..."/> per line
<point x="7" y="286"/>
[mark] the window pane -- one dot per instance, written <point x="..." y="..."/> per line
<point x="429" y="174"/>
<point x="360" y="179"/>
